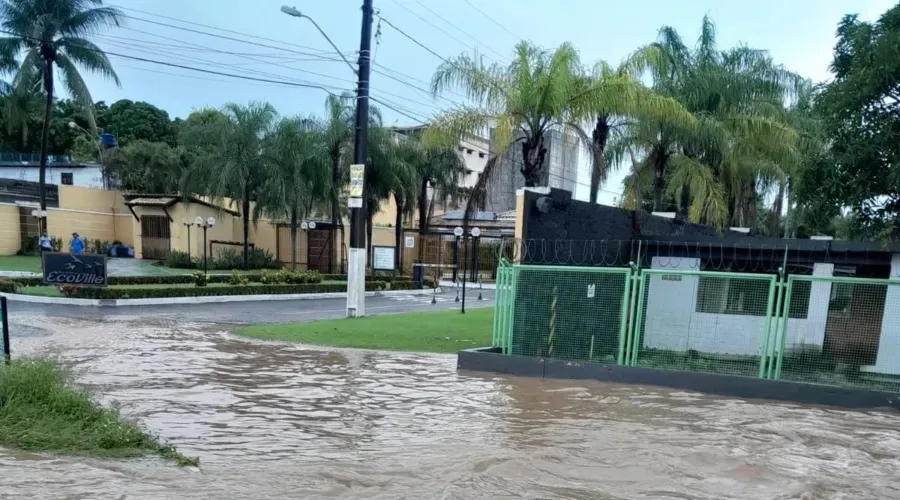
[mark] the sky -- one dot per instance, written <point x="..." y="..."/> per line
<point x="798" y="33"/>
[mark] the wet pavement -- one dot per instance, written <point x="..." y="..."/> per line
<point x="285" y="421"/>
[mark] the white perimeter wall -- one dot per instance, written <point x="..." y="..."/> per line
<point x="89" y="177"/>
<point x="672" y="322"/>
<point x="888" y="360"/>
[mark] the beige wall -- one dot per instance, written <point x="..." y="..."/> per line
<point x="91" y="200"/>
<point x="223" y="230"/>
<point x="10" y="238"/>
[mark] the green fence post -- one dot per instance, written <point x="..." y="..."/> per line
<point x="623" y="324"/>
<point x="786" y="314"/>
<point x="773" y="286"/>
<point x="498" y="306"/>
<point x="511" y="310"/>
<point x="775" y="330"/>
<point x="640" y="319"/>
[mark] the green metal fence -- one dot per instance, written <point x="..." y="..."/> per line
<point x="816" y="329"/>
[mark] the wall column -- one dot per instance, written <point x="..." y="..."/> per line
<point x="888" y="360"/>
<point x="813" y="330"/>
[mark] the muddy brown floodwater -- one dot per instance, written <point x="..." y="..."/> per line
<point x="278" y="421"/>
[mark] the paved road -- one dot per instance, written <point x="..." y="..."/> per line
<point x="256" y="312"/>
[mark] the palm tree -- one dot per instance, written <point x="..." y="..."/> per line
<point x="741" y="140"/>
<point x="228" y="157"/>
<point x="55" y="32"/>
<point x="338" y="136"/>
<point x="441" y="168"/>
<point x="301" y="175"/>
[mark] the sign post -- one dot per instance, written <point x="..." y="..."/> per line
<point x="4" y="320"/>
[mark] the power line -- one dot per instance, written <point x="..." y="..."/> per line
<point x="224" y="30"/>
<point x="457" y="28"/>
<point x="464" y="44"/>
<point x="483" y="13"/>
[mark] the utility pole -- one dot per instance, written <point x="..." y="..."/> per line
<point x="356" y="270"/>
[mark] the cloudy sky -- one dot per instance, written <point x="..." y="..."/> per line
<point x="798" y="33"/>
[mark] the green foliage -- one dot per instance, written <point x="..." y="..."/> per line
<point x="212" y="291"/>
<point x="8" y="286"/>
<point x="179" y="260"/>
<point x="201" y="278"/>
<point x="29" y="245"/>
<point x="238" y="279"/>
<point x="860" y="110"/>
<point x="97" y="246"/>
<point x="40" y="413"/>
<point x="149" y="167"/>
<point x="228" y="258"/>
<point x="287" y="276"/>
<point x="133" y="121"/>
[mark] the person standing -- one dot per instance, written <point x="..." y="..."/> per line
<point x="44" y="243"/>
<point x="76" y="246"/>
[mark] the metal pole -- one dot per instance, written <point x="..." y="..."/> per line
<point x="455" y="256"/>
<point x="465" y="259"/>
<point x="189" y="241"/>
<point x="474" y="260"/>
<point x="204" y="249"/>
<point x="4" y="313"/>
<point x="356" y="270"/>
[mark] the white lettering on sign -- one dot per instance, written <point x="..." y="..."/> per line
<point x="591" y="290"/>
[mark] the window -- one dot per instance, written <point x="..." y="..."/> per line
<point x="841" y="297"/>
<point x="469" y="151"/>
<point x="66" y="178"/>
<point x="481" y="154"/>
<point x="747" y="297"/>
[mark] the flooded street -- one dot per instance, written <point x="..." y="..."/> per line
<point x="277" y="421"/>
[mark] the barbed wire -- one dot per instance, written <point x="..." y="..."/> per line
<point x="738" y="257"/>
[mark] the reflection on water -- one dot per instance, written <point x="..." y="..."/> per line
<point x="276" y="421"/>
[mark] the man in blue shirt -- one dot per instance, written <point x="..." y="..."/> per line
<point x="76" y="246"/>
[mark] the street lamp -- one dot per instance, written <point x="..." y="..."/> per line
<point x="41" y="216"/>
<point x="187" y="224"/>
<point x="292" y="11"/>
<point x="205" y="225"/>
<point x="475" y="232"/>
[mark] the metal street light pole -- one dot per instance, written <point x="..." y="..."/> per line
<point x="356" y="268"/>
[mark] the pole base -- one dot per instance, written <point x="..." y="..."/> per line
<point x="356" y="283"/>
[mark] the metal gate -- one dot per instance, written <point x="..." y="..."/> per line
<point x="155" y="236"/>
<point x="319" y="250"/>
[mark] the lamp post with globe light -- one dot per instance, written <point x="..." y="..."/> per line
<point x="41" y="216"/>
<point x="187" y="224"/>
<point x="475" y="232"/>
<point x="205" y="225"/>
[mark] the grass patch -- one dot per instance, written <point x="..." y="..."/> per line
<point x="442" y="332"/>
<point x="26" y="263"/>
<point x="40" y="413"/>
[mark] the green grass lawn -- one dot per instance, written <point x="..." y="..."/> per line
<point x="42" y="413"/>
<point x="443" y="332"/>
<point x="29" y="263"/>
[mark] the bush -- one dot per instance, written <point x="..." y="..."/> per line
<point x="96" y="246"/>
<point x="68" y="291"/>
<point x="145" y="293"/>
<point x="29" y="246"/>
<point x="55" y="243"/>
<point x="238" y="279"/>
<point x="230" y="258"/>
<point x="201" y="278"/>
<point x="179" y="260"/>
<point x="286" y="276"/>
<point x="8" y="286"/>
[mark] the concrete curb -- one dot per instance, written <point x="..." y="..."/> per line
<point x="34" y="299"/>
<point x="19" y="274"/>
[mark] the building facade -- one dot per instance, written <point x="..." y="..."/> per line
<point x="60" y="170"/>
<point x="560" y="170"/>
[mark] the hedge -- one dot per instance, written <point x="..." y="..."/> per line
<point x="175" y="279"/>
<point x="147" y="293"/>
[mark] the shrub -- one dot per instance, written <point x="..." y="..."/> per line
<point x="201" y="278"/>
<point x="238" y="279"/>
<point x="68" y="291"/>
<point x="260" y="258"/>
<point x="29" y="246"/>
<point x="8" y="286"/>
<point x="144" y="293"/>
<point x="226" y="258"/>
<point x="179" y="260"/>
<point x="286" y="276"/>
<point x="95" y="246"/>
<point x="55" y="243"/>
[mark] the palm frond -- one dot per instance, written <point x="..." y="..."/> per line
<point x="90" y="21"/>
<point x="88" y="55"/>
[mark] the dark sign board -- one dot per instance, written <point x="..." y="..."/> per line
<point x="75" y="270"/>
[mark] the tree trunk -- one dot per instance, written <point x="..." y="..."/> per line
<point x="658" y="189"/>
<point x="45" y="133"/>
<point x="398" y="238"/>
<point x="598" y="141"/>
<point x="685" y="203"/>
<point x="775" y="216"/>
<point x="533" y="155"/>
<point x="337" y="222"/>
<point x="423" y="216"/>
<point x="294" y="239"/>
<point x="245" y="210"/>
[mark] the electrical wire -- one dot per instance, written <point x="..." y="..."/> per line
<point x="483" y="13"/>
<point x="457" y="28"/>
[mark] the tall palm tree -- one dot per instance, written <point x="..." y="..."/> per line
<point x="301" y="174"/>
<point x="712" y="172"/>
<point x="54" y="33"/>
<point x="228" y="157"/>
<point x="338" y="137"/>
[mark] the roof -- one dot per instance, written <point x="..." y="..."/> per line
<point x="167" y="200"/>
